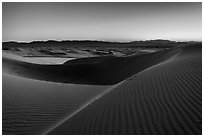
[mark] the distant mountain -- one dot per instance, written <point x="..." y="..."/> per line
<point x="88" y="43"/>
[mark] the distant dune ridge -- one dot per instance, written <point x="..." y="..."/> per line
<point x="164" y="99"/>
<point x="159" y="93"/>
<point x="105" y="70"/>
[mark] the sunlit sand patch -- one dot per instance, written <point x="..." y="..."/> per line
<point x="37" y="60"/>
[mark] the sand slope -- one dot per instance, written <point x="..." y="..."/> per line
<point x="163" y="99"/>
<point x="33" y="106"/>
<point x="96" y="70"/>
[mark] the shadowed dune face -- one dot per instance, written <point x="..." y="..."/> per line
<point x="163" y="99"/>
<point x="96" y="70"/>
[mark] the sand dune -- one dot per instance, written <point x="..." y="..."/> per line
<point x="32" y="106"/>
<point x="166" y="98"/>
<point x="107" y="70"/>
<point x="158" y="93"/>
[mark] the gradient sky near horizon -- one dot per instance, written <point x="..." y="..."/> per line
<point x="101" y="21"/>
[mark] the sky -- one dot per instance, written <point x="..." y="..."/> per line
<point x="101" y="21"/>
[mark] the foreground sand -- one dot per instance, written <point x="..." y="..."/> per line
<point x="163" y="99"/>
<point x="33" y="106"/>
<point x="157" y="93"/>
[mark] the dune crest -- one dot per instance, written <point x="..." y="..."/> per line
<point x="164" y="99"/>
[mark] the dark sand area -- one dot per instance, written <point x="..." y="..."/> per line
<point x="154" y="93"/>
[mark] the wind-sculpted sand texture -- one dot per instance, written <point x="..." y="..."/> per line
<point x="166" y="98"/>
<point x="32" y="106"/>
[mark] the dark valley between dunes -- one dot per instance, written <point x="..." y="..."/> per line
<point x="149" y="87"/>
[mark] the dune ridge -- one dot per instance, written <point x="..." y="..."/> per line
<point x="106" y="91"/>
<point x="163" y="99"/>
<point x="106" y="70"/>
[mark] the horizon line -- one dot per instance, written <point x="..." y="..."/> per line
<point x="116" y="41"/>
